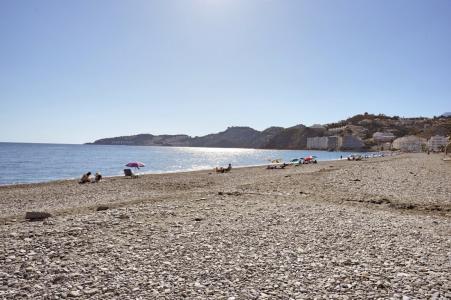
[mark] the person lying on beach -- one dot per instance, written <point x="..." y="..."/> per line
<point x="223" y="170"/>
<point x="98" y="177"/>
<point x="277" y="166"/>
<point x="85" y="178"/>
<point x="219" y="170"/>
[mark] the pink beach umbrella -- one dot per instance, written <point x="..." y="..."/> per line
<point x="135" y="164"/>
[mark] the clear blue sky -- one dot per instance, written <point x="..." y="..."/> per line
<point x="76" y="71"/>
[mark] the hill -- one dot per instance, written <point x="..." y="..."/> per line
<point x="146" y="140"/>
<point x="361" y="126"/>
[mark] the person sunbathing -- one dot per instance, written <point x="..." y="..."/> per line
<point x="85" y="178"/>
<point x="223" y="170"/>
<point x="98" y="177"/>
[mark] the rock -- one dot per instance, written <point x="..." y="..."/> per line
<point x="37" y="216"/>
<point x="48" y="222"/>
<point x="102" y="207"/>
<point x="198" y="219"/>
<point x="58" y="278"/>
<point x="74" y="294"/>
<point x="90" y="291"/>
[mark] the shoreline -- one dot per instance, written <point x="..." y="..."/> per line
<point x="58" y="188"/>
<point x="120" y="189"/>
<point x="177" y="171"/>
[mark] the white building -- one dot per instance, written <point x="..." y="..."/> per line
<point x="436" y="142"/>
<point x="337" y="129"/>
<point x="409" y="143"/>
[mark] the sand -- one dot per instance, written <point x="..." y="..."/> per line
<point x="372" y="229"/>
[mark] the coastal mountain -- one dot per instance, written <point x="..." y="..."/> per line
<point x="147" y="140"/>
<point x="362" y="127"/>
<point x="293" y="138"/>
<point x="232" y="137"/>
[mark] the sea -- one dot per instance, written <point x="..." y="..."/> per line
<point x="33" y="163"/>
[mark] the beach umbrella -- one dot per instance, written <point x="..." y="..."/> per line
<point x="135" y="164"/>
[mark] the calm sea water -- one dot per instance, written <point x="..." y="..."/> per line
<point x="29" y="163"/>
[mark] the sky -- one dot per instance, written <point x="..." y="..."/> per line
<point x="76" y="71"/>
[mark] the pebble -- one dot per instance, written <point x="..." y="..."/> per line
<point x="74" y="294"/>
<point x="260" y="239"/>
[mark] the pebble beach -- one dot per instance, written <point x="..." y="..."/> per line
<point x="373" y="229"/>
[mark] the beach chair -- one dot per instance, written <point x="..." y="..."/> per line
<point x="129" y="173"/>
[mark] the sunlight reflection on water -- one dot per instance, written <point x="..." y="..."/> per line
<point x="44" y="162"/>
